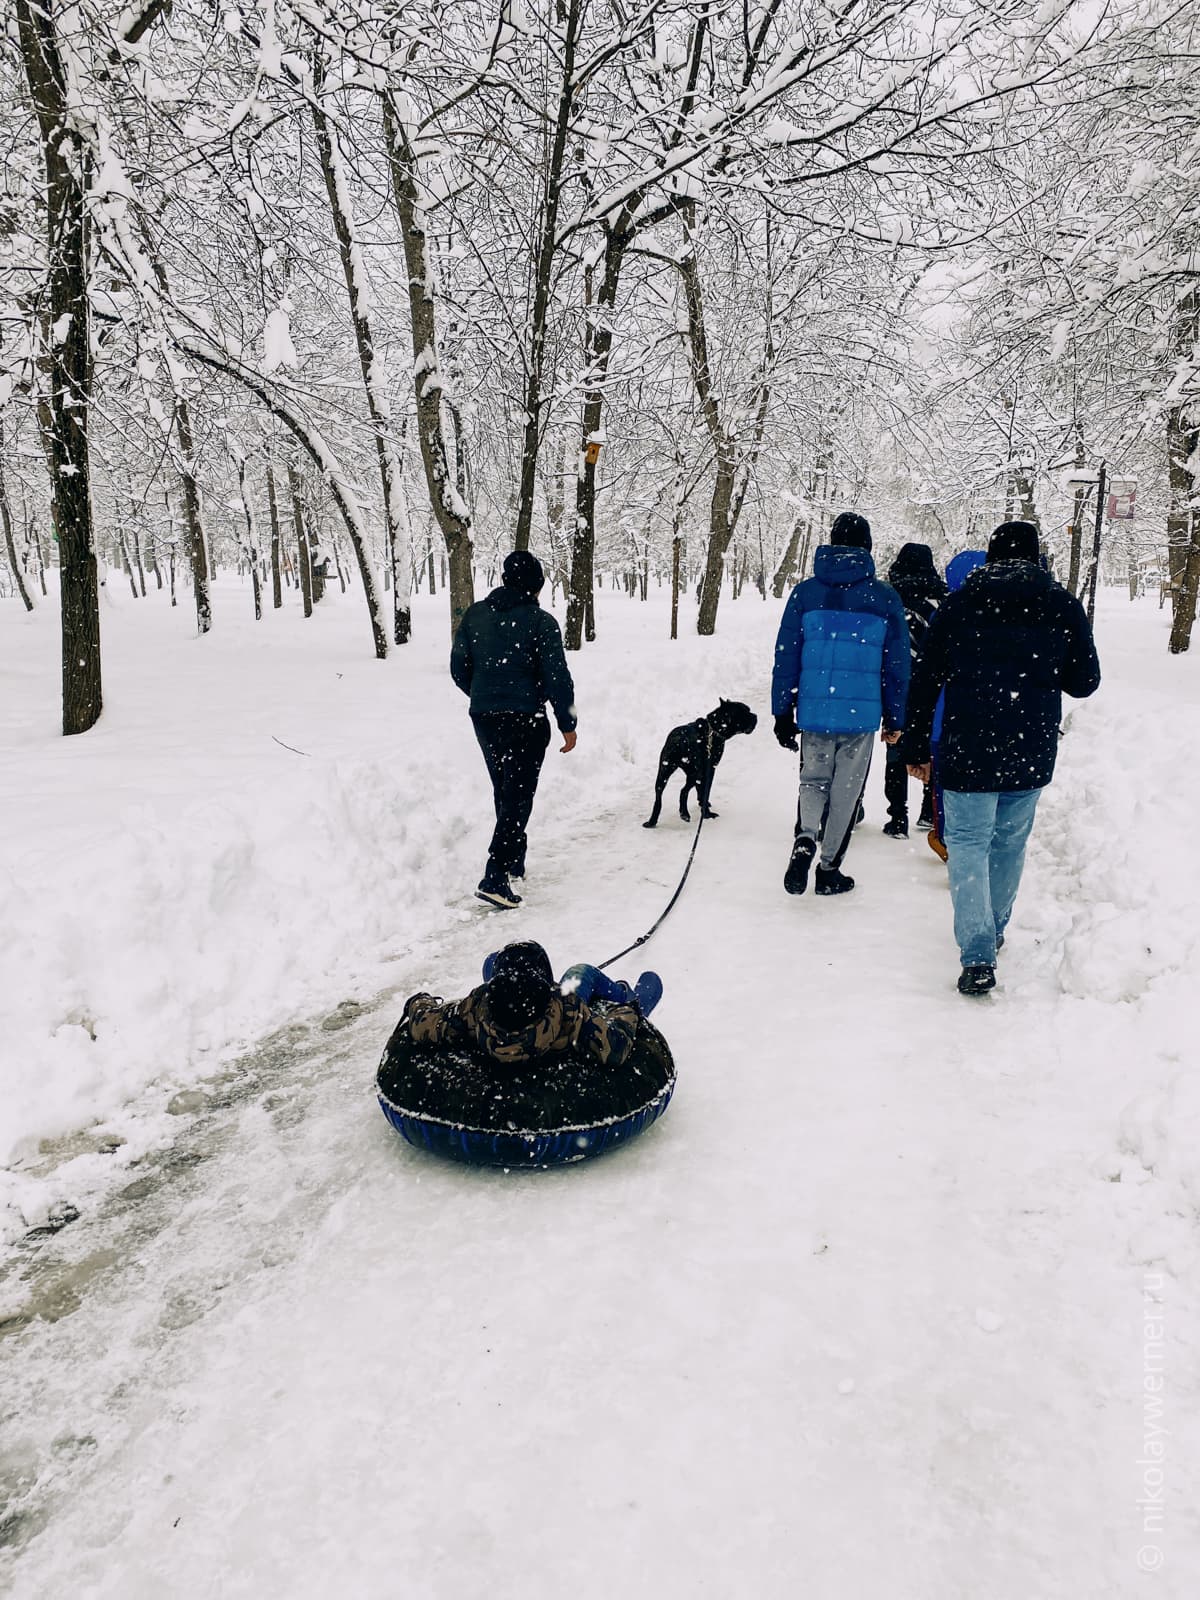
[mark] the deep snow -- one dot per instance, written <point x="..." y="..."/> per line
<point x="864" y="1315"/>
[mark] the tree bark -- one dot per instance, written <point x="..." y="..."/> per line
<point x="251" y="539"/>
<point x="10" y="544"/>
<point x="449" y="508"/>
<point x="68" y="364"/>
<point x="395" y="511"/>
<point x="543" y="274"/>
<point x="303" y="562"/>
<point x="273" y="513"/>
<point x="1183" y="520"/>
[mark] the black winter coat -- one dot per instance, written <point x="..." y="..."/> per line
<point x="508" y="656"/>
<point x="921" y="589"/>
<point x="1005" y="648"/>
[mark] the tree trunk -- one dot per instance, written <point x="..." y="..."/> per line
<point x="598" y="338"/>
<point x="395" y="511"/>
<point x="449" y="508"/>
<point x="67" y="363"/>
<point x="720" y="532"/>
<point x="197" y="549"/>
<point x="1183" y="522"/>
<point x="251" y="540"/>
<point x="10" y="545"/>
<point x="543" y="273"/>
<point x="785" y="573"/>
<point x="273" y="513"/>
<point x="303" y="563"/>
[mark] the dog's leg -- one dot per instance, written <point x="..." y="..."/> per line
<point x="688" y="783"/>
<point x="704" y="789"/>
<point x="665" y="769"/>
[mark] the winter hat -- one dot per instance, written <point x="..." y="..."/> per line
<point x="1014" y="541"/>
<point x="851" y="529"/>
<point x="962" y="566"/>
<point x="914" y="561"/>
<point x="524" y="955"/>
<point x="523" y="572"/>
<point x="520" y="986"/>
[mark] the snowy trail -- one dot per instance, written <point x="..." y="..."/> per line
<point x="862" y="1316"/>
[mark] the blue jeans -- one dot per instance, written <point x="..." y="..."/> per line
<point x="985" y="835"/>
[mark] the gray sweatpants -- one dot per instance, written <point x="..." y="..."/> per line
<point x="833" y="775"/>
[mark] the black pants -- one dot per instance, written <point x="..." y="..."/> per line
<point x="514" y="746"/>
<point x="895" y="788"/>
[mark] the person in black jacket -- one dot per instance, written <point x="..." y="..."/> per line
<point x="1005" y="648"/>
<point x="921" y="588"/>
<point x="508" y="656"/>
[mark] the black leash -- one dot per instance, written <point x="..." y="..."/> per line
<point x="649" y="934"/>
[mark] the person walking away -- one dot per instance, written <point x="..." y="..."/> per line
<point x="959" y="570"/>
<point x="1004" y="648"/>
<point x="921" y="589"/>
<point x="508" y="657"/>
<point x="841" y="667"/>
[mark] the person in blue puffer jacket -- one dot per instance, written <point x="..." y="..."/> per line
<point x="842" y="663"/>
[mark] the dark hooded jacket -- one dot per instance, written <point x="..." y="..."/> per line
<point x="1005" y="648"/>
<point x="508" y="656"/>
<point x="921" y="588"/>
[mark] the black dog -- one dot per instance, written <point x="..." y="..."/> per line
<point x="697" y="747"/>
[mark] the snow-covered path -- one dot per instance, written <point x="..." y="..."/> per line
<point x="862" y="1317"/>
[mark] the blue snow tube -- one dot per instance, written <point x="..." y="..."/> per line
<point x="466" y="1105"/>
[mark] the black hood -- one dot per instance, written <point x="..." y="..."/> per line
<point x="509" y="600"/>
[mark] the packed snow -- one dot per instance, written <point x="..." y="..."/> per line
<point x="898" y="1299"/>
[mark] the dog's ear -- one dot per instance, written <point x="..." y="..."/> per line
<point x="724" y="702"/>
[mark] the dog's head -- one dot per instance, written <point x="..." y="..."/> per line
<point x="731" y="717"/>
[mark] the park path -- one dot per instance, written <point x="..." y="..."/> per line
<point x="860" y="1317"/>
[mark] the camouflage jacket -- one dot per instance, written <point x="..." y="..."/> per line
<point x="604" y="1032"/>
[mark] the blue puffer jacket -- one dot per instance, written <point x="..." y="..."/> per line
<point x="842" y="654"/>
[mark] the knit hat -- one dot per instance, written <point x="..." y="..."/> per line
<point x="523" y="572"/>
<point x="520" y="987"/>
<point x="1014" y="541"/>
<point x="851" y="529"/>
<point x="914" y="561"/>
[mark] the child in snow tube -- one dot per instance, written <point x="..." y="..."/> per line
<point x="519" y="1014"/>
<point x="523" y="1071"/>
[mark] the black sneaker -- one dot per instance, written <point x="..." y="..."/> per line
<point x="976" y="980"/>
<point x="831" y="881"/>
<point x="861" y="814"/>
<point x="897" y="828"/>
<point x="795" y="879"/>
<point x="496" y="892"/>
<point x="925" y="821"/>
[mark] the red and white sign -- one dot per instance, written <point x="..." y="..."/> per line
<point x="1122" y="500"/>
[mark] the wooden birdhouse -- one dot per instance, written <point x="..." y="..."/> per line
<point x="591" y="452"/>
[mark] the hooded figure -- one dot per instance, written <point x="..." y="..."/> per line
<point x="1005" y="649"/>
<point x="841" y="668"/>
<point x="508" y="656"/>
<point x="920" y="587"/>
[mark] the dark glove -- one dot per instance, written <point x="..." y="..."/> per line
<point x="785" y="730"/>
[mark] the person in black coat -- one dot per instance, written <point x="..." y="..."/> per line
<point x="508" y="656"/>
<point x="1005" y="648"/>
<point x="921" y="589"/>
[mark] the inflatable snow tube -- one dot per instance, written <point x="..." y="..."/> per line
<point x="463" y="1104"/>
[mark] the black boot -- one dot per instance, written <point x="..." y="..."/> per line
<point x="897" y="828"/>
<point x="795" y="879"/>
<point x="831" y="881"/>
<point x="498" y="892"/>
<point x="976" y="980"/>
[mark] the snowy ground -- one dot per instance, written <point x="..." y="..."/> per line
<point x="880" y="1308"/>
